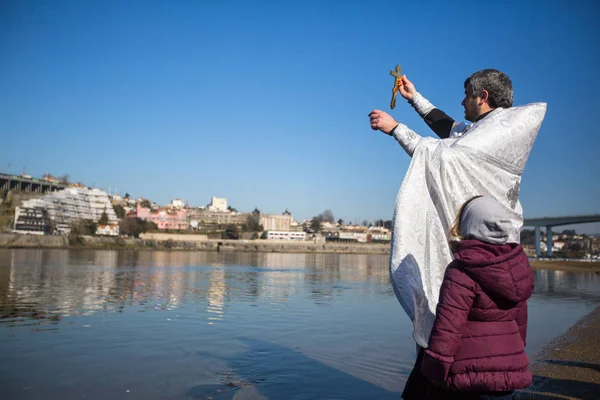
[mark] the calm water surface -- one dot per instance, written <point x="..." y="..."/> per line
<point x="174" y="325"/>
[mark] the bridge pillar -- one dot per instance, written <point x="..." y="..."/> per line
<point x="538" y="250"/>
<point x="549" y="243"/>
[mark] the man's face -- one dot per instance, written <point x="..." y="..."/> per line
<point x="471" y="104"/>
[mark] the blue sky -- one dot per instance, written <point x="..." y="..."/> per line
<point x="266" y="102"/>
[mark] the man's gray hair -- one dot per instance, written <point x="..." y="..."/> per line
<point x="497" y="84"/>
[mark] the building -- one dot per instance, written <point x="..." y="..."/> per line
<point x="108" y="230"/>
<point x="163" y="218"/>
<point x="59" y="209"/>
<point x="380" y="234"/>
<point x="177" y="203"/>
<point x="274" y="222"/>
<point x="218" y="204"/>
<point x="199" y="218"/>
<point x="361" y="237"/>
<point x="31" y="220"/>
<point x="283" y="235"/>
<point x="556" y="246"/>
<point x="49" y="178"/>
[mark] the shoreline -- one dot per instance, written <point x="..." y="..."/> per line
<point x="190" y="243"/>
<point x="566" y="265"/>
<point x="17" y="241"/>
<point x="569" y="366"/>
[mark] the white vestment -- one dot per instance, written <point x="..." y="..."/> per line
<point x="443" y="174"/>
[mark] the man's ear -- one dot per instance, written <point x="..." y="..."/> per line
<point x="484" y="96"/>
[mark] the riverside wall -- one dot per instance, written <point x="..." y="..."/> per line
<point x="169" y="242"/>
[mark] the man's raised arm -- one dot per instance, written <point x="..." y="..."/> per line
<point x="384" y="122"/>
<point x="438" y="121"/>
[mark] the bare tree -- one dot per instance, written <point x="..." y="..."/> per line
<point x="327" y="216"/>
<point x="64" y="179"/>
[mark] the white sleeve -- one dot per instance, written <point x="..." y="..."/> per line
<point x="407" y="138"/>
<point x="421" y="104"/>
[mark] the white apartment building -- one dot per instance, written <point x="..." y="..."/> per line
<point x="62" y="208"/>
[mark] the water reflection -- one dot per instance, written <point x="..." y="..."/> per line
<point x="216" y="295"/>
<point x="565" y="284"/>
<point x="47" y="285"/>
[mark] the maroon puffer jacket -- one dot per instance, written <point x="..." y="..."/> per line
<point x="478" y="338"/>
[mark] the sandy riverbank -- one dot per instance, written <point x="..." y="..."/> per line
<point x="569" y="367"/>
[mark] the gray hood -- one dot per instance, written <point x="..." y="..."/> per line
<point x="485" y="219"/>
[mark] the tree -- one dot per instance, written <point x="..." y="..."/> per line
<point x="119" y="211"/>
<point x="527" y="236"/>
<point x="49" y="225"/>
<point x="252" y="223"/>
<point x="327" y="216"/>
<point x="126" y="195"/>
<point x="83" y="227"/>
<point x="365" y="223"/>
<point x="103" y="218"/>
<point x="64" y="179"/>
<point x="232" y="209"/>
<point x="315" y="224"/>
<point x="231" y="232"/>
<point x="570" y="232"/>
<point x="145" y="203"/>
<point x="305" y="227"/>
<point x="388" y="224"/>
<point x="133" y="227"/>
<point x="379" y="222"/>
<point x="149" y="226"/>
<point x="130" y="227"/>
<point x="340" y="221"/>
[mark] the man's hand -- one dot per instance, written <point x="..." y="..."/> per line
<point x="407" y="89"/>
<point x="382" y="121"/>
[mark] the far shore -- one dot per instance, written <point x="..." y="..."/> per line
<point x="19" y="241"/>
<point x="567" y="266"/>
<point x="187" y="243"/>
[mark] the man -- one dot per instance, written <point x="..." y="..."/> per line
<point x="478" y="102"/>
<point x="485" y="158"/>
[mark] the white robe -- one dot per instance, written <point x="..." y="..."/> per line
<point x="443" y="174"/>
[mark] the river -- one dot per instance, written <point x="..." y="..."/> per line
<point x="91" y="324"/>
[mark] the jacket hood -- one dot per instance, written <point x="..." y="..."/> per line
<point x="485" y="218"/>
<point x="502" y="271"/>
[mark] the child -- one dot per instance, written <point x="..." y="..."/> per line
<point x="477" y="346"/>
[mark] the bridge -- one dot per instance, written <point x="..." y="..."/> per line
<point x="549" y="222"/>
<point x="19" y="183"/>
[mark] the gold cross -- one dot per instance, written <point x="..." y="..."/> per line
<point x="397" y="82"/>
